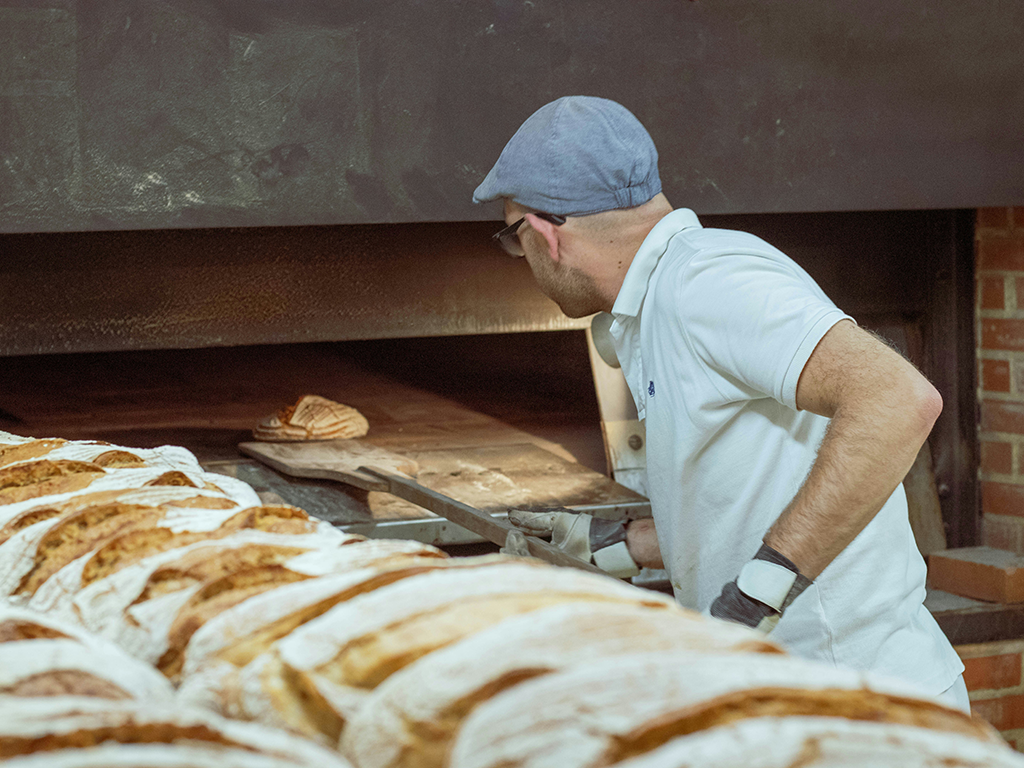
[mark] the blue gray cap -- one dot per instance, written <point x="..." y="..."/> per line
<point x="576" y="156"/>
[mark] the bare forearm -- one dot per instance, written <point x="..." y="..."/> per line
<point x="868" y="450"/>
<point x="642" y="543"/>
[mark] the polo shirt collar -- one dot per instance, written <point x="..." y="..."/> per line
<point x="634" y="286"/>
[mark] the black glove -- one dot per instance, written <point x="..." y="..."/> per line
<point x="765" y="588"/>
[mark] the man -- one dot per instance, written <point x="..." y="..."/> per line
<point x="778" y="431"/>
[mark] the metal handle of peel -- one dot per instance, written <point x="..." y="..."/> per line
<point x="472" y="519"/>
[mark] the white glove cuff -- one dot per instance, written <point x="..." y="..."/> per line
<point x="766" y="582"/>
<point x="616" y="561"/>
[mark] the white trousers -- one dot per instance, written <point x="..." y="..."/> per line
<point x="956" y="695"/>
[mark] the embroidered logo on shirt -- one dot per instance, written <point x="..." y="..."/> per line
<point x="650" y="389"/>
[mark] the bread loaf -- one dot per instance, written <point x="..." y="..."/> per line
<point x="41" y="726"/>
<point x="73" y="668"/>
<point x="41" y="656"/>
<point x="128" y="486"/>
<point x="240" y="633"/>
<point x="76" y="535"/>
<point x="312" y="418"/>
<point x="187" y="754"/>
<point x="334" y="659"/>
<point x="607" y="711"/>
<point x="134" y="538"/>
<point x="30" y="480"/>
<point x="412" y="717"/>
<point x="812" y="742"/>
<point x="26" y="449"/>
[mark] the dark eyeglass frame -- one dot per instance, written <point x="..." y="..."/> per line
<point x="508" y="238"/>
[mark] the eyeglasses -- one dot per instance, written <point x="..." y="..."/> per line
<point x="508" y="238"/>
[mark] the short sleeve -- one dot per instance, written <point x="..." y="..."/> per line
<point x="753" y="318"/>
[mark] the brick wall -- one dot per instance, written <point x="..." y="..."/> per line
<point x="996" y="686"/>
<point x="999" y="269"/>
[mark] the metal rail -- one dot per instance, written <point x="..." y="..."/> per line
<point x="493" y="529"/>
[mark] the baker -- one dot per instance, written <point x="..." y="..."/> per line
<point x="778" y="431"/>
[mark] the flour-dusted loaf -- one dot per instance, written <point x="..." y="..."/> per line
<point x="603" y="712"/>
<point x="19" y="623"/>
<point x="50" y="725"/>
<point x="26" y="448"/>
<point x="331" y="662"/>
<point x="14" y="518"/>
<point x="130" y="486"/>
<point x="312" y="418"/>
<point x="43" y="656"/>
<point x="137" y="605"/>
<point x="71" y="667"/>
<point x="412" y="717"/>
<point x="240" y="633"/>
<point x="43" y="477"/>
<point x="78" y="534"/>
<point x="822" y="742"/>
<point x="100" y="552"/>
<point x="187" y="754"/>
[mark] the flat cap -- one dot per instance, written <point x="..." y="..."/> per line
<point x="576" y="156"/>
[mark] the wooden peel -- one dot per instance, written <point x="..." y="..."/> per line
<point x="376" y="469"/>
<point x="338" y="460"/>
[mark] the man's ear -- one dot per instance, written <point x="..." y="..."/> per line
<point x="548" y="231"/>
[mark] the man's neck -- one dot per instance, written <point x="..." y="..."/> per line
<point x="620" y="256"/>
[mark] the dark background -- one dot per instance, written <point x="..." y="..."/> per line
<point x="142" y="114"/>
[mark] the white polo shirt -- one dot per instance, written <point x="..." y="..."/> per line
<point x="713" y="328"/>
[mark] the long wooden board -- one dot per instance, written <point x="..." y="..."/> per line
<point x="331" y="460"/>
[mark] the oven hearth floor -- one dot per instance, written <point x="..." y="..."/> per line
<point x="208" y="401"/>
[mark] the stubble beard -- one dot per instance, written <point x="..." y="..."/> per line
<point x="574" y="291"/>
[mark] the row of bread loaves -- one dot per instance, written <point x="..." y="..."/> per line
<point x="393" y="653"/>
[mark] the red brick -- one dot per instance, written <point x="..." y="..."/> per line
<point x="997" y="457"/>
<point x="995" y="375"/>
<point x="1003" y="532"/>
<point x="991" y="292"/>
<point x="1018" y="217"/>
<point x="1005" y="713"/>
<point x="1019" y="286"/>
<point x="986" y="672"/>
<point x="1005" y="253"/>
<point x="982" y="573"/>
<point x="998" y="333"/>
<point x="997" y="416"/>
<point x="1002" y="499"/>
<point x="993" y="218"/>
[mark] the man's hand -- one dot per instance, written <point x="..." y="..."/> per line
<point x="588" y="538"/>
<point x="765" y="588"/>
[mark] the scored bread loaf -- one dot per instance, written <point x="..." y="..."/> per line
<point x="171" y="498"/>
<point x="187" y="754"/>
<point x="137" y="605"/>
<point x="312" y="418"/>
<point x="601" y="713"/>
<point x="15" y="449"/>
<point x="43" y="726"/>
<point x="26" y="448"/>
<point x="219" y="653"/>
<point x="41" y="656"/>
<point x="74" y="668"/>
<point x="241" y="632"/>
<point x="99" y="552"/>
<point x="43" y="477"/>
<point x="412" y="717"/>
<point x="19" y="623"/>
<point x="329" y="664"/>
<point x="129" y="486"/>
<point x="825" y="742"/>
